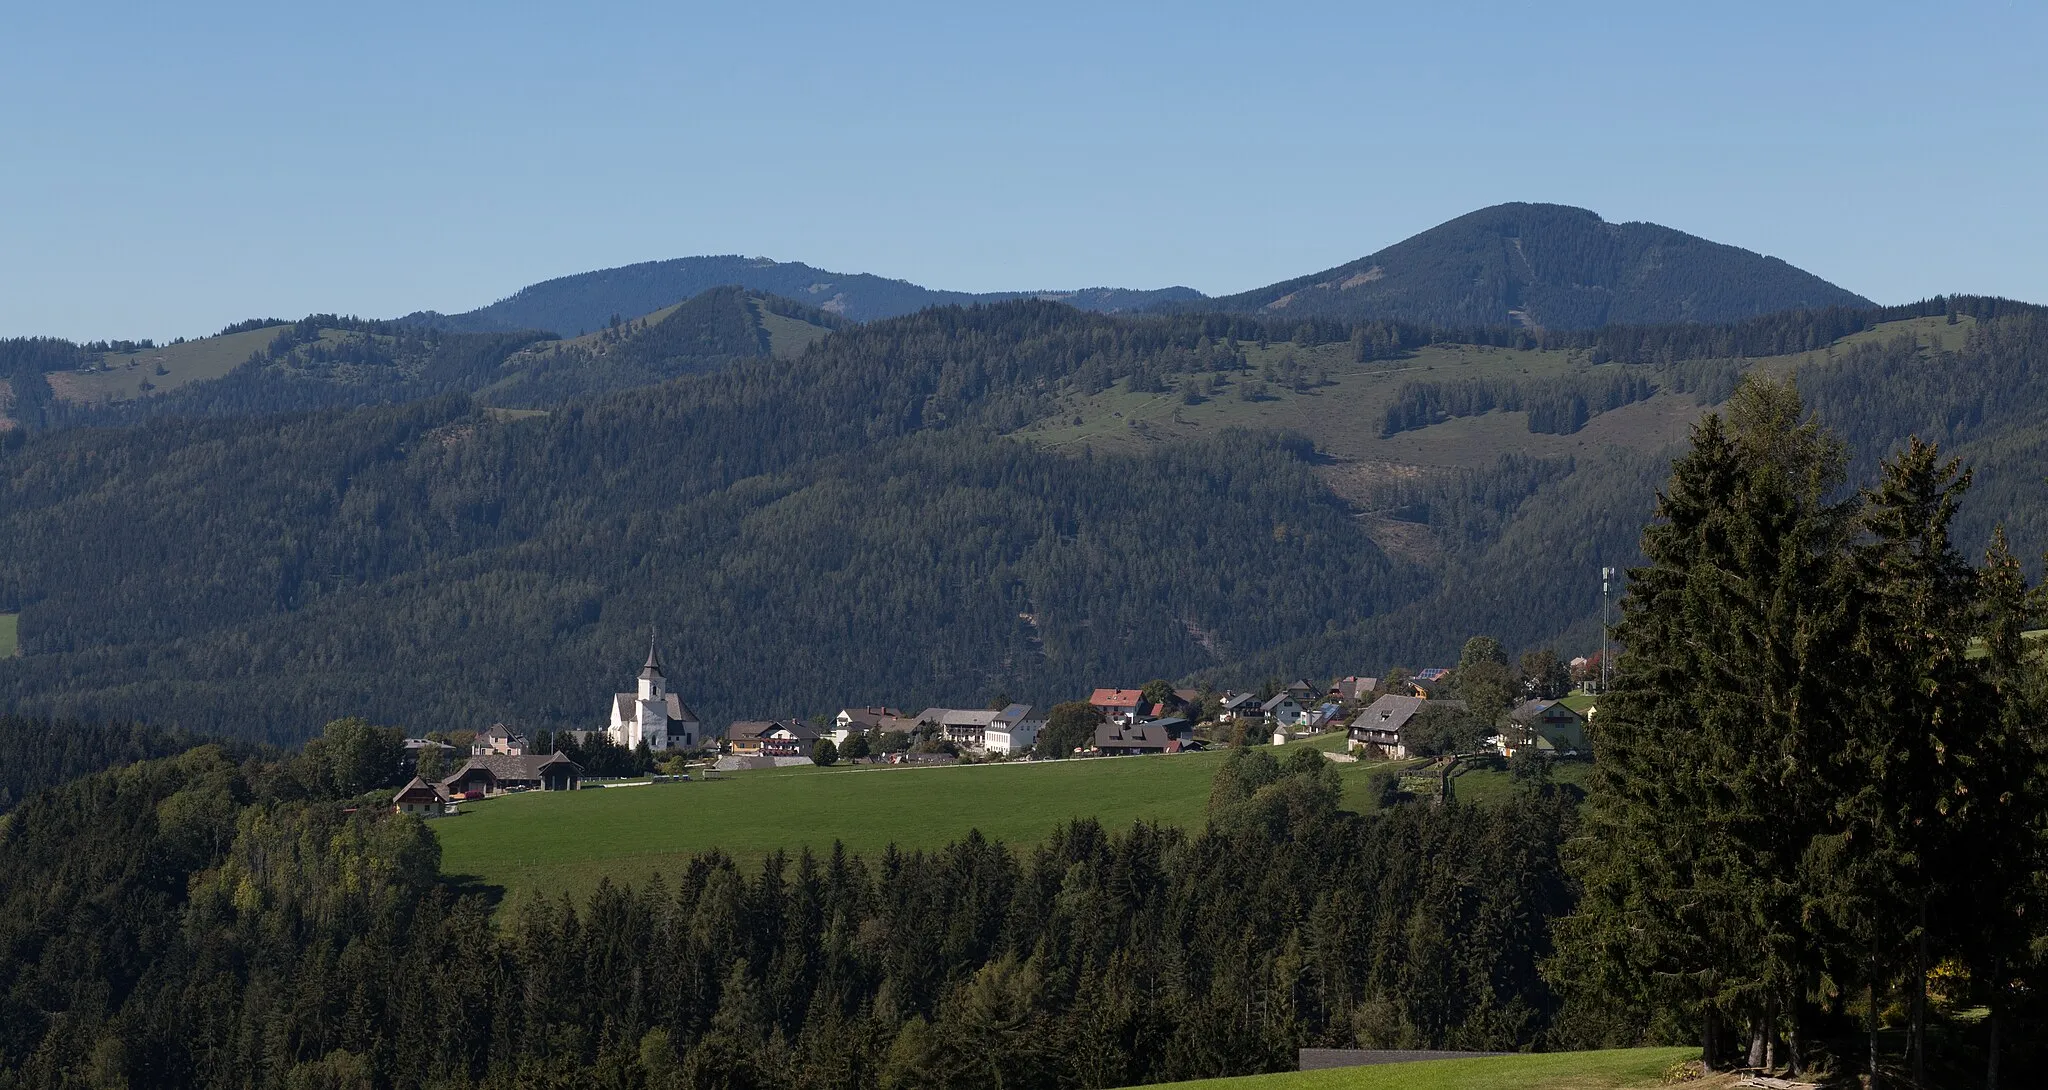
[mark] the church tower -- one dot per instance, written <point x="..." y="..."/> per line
<point x="651" y="676"/>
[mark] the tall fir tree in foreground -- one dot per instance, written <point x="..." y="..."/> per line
<point x="1807" y="780"/>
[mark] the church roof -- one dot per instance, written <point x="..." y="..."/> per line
<point x="653" y="667"/>
<point x="623" y="708"/>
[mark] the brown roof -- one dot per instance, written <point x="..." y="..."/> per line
<point x="1116" y="698"/>
<point x="762" y="728"/>
<point x="419" y="791"/>
<point x="1136" y="736"/>
<point x="506" y="768"/>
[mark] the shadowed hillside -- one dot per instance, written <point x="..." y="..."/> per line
<point x="1552" y="266"/>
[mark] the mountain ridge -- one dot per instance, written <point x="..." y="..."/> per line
<point x="580" y="302"/>
<point x="1551" y="265"/>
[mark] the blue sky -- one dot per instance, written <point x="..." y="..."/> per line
<point x="167" y="169"/>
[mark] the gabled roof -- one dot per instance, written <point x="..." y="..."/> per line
<point x="1241" y="700"/>
<point x="867" y="717"/>
<point x="1389" y="714"/>
<point x="419" y="791"/>
<point x="1529" y="711"/>
<point x="753" y="729"/>
<point x="1434" y="673"/>
<point x="504" y="767"/>
<point x="1277" y="700"/>
<point x="1132" y="736"/>
<point x="678" y="712"/>
<point x="1116" y="698"/>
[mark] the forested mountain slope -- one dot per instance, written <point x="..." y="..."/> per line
<point x="1548" y="266"/>
<point x="1021" y="500"/>
<point x="326" y="361"/>
<point x="574" y="305"/>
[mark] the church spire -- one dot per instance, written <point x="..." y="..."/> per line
<point x="653" y="667"/>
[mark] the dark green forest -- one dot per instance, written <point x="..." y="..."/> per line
<point x="198" y="922"/>
<point x="40" y="753"/>
<point x="850" y="526"/>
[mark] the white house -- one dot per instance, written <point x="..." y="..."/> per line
<point x="652" y="714"/>
<point x="1012" y="732"/>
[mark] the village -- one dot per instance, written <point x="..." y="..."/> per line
<point x="1481" y="707"/>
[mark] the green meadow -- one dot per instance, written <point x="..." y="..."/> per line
<point x="10" y="635"/>
<point x="563" y="842"/>
<point x="1612" y="1069"/>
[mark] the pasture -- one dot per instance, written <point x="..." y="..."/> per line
<point x="121" y="376"/>
<point x="1611" y="1069"/>
<point x="10" y="635"/>
<point x="563" y="842"/>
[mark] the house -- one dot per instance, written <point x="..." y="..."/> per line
<point x="1353" y="688"/>
<point x="1303" y="693"/>
<point x="1381" y="723"/>
<point x="851" y="721"/>
<point x="422" y="798"/>
<point x="1013" y="730"/>
<point x="1548" y="725"/>
<point x="1240" y="706"/>
<point x="652" y="714"/>
<point x="497" y="772"/>
<point x="1286" y="712"/>
<point x="1434" y="673"/>
<point x="500" y="739"/>
<point x="1117" y="705"/>
<point x="772" y="738"/>
<point x="1135" y="739"/>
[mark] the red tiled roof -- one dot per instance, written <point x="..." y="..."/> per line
<point x="1116" y="698"/>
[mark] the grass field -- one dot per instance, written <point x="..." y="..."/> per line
<point x="788" y="337"/>
<point x="10" y="635"/>
<point x="121" y="375"/>
<point x="1614" y="1069"/>
<point x="563" y="842"/>
<point x="1483" y="783"/>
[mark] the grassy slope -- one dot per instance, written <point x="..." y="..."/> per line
<point x="788" y="337"/>
<point x="121" y="375"/>
<point x="10" y="635"/>
<point x="553" y="843"/>
<point x="1608" y="1070"/>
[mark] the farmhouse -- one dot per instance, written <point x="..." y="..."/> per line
<point x="851" y="721"/>
<point x="1240" y="706"/>
<point x="421" y="798"/>
<point x="1547" y="725"/>
<point x="1353" y="688"/>
<point x="970" y="729"/>
<point x="1382" y="722"/>
<point x="1286" y="711"/>
<point x="1116" y="705"/>
<point x="498" y="738"/>
<point x="772" y="738"/>
<point x="493" y="773"/>
<point x="652" y="714"/>
<point x="1137" y="739"/>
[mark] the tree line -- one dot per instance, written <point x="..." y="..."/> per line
<point x="268" y="935"/>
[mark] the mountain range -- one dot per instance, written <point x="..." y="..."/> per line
<point x="254" y="533"/>
<point x="1512" y="264"/>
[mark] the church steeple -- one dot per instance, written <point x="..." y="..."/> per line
<point x="653" y="667"/>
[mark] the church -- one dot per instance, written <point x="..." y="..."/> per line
<point x="652" y="714"/>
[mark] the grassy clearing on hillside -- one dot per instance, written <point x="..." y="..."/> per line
<point x="788" y="337"/>
<point x="1479" y="784"/>
<point x="121" y="375"/>
<point x="1344" y="417"/>
<point x="10" y="635"/>
<point x="563" y="842"/>
<point x="1613" y="1069"/>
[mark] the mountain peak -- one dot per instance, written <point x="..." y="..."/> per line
<point x="1548" y="265"/>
